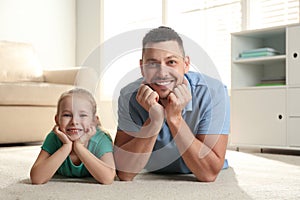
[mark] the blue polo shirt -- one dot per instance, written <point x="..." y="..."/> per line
<point x="207" y="113"/>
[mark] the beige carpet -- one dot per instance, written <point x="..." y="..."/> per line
<point x="251" y="175"/>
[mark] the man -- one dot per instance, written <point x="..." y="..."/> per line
<point x="171" y="120"/>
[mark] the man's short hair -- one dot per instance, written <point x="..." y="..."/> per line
<point x="163" y="34"/>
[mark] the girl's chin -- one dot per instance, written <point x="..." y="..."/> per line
<point x="74" y="137"/>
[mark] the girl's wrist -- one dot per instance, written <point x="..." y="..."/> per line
<point x="78" y="143"/>
<point x="68" y="146"/>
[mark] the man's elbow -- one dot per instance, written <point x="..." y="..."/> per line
<point x="124" y="176"/>
<point x="207" y="177"/>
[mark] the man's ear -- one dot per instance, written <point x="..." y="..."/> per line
<point x="141" y="67"/>
<point x="186" y="64"/>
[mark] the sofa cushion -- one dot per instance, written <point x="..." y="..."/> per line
<point x="31" y="93"/>
<point x="19" y="62"/>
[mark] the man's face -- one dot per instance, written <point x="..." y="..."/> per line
<point x="163" y="66"/>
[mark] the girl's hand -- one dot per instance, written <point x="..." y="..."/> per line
<point x="62" y="137"/>
<point x="89" y="132"/>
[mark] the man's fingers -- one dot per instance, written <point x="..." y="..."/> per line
<point x="185" y="82"/>
<point x="154" y="95"/>
<point x="144" y="91"/>
<point x="172" y="97"/>
<point x="182" y="95"/>
<point x="146" y="96"/>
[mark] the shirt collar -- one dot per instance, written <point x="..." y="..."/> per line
<point x="189" y="106"/>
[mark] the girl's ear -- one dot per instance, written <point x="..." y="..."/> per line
<point x="56" y="119"/>
<point x="97" y="121"/>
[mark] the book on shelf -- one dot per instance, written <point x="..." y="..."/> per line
<point x="253" y="53"/>
<point x="270" y="84"/>
<point x="264" y="49"/>
<point x="272" y="81"/>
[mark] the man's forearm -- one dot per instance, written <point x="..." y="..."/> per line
<point x="205" y="157"/>
<point x="132" y="155"/>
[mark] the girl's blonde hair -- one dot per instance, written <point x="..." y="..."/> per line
<point x="85" y="93"/>
<point x="81" y="92"/>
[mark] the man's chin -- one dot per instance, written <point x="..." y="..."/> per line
<point x="164" y="95"/>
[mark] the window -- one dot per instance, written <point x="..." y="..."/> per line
<point x="267" y="13"/>
<point x="119" y="17"/>
<point x="207" y="22"/>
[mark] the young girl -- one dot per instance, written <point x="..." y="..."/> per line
<point x="76" y="147"/>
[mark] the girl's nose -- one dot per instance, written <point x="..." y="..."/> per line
<point x="74" y="120"/>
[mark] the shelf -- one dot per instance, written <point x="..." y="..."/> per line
<point x="260" y="60"/>
<point x="261" y="87"/>
<point x="266" y="114"/>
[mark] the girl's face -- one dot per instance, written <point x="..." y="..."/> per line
<point x="75" y="116"/>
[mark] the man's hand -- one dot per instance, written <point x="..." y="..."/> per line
<point x="62" y="137"/>
<point x="177" y="100"/>
<point x="147" y="97"/>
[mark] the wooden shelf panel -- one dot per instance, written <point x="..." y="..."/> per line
<point x="260" y="60"/>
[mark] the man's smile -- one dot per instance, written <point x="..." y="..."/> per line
<point x="164" y="83"/>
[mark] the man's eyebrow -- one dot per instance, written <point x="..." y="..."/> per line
<point x="151" y="59"/>
<point x="167" y="58"/>
<point x="173" y="56"/>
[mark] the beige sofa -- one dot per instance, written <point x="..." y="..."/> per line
<point x="28" y="94"/>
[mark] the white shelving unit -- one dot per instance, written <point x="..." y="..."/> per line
<point x="266" y="116"/>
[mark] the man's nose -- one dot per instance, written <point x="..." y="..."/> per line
<point x="162" y="70"/>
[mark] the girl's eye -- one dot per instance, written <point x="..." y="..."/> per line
<point x="83" y="115"/>
<point x="67" y="115"/>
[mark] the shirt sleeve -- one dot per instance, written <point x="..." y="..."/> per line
<point x="101" y="144"/>
<point x="130" y="113"/>
<point x="216" y="118"/>
<point x="51" y="143"/>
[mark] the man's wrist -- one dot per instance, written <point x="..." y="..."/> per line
<point x="174" y="120"/>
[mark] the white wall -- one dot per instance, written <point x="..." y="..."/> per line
<point x="88" y="38"/>
<point x="50" y="25"/>
<point x="87" y="28"/>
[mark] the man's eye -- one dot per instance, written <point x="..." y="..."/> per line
<point x="83" y="115"/>
<point x="152" y="65"/>
<point x="172" y="62"/>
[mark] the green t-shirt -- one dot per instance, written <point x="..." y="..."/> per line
<point x="98" y="145"/>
